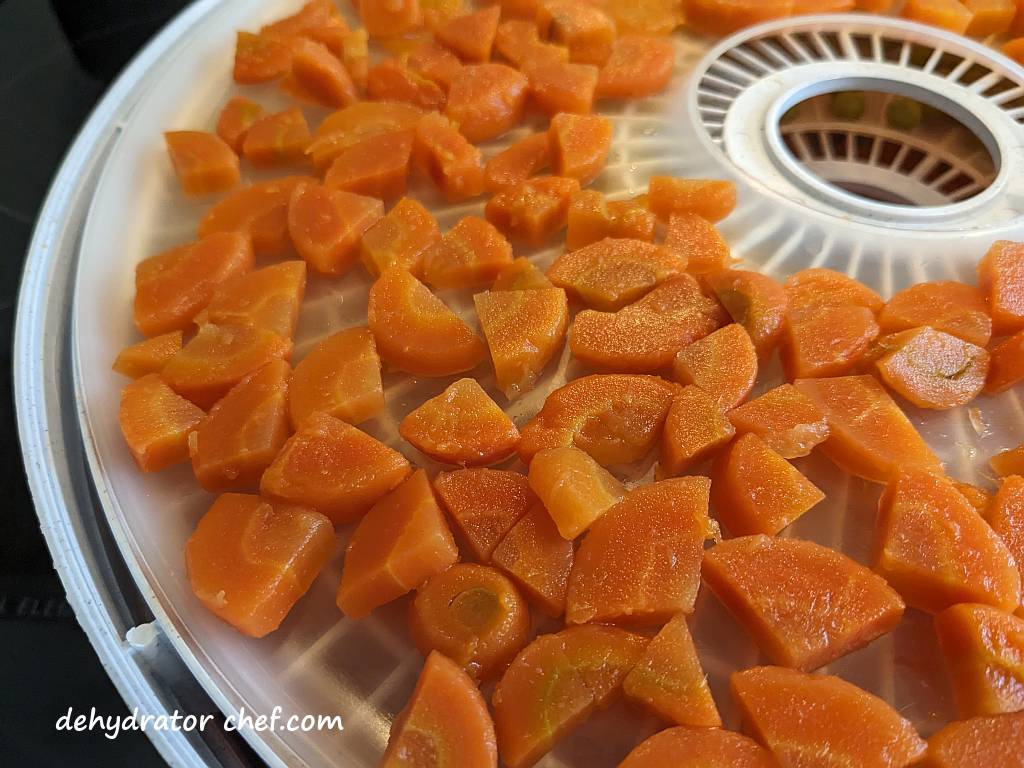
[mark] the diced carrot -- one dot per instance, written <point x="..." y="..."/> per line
<point x="640" y="563"/>
<point x="260" y="59"/>
<point x="579" y="145"/>
<point x="755" y="301"/>
<point x="978" y="741"/>
<point x="445" y="156"/>
<point x="416" y="332"/>
<point x="645" y="17"/>
<point x="203" y="162"/>
<point x="574" y="488"/>
<point x="400" y="239"/>
<point x="933" y="369"/>
<point x="638" y="66"/>
<point x="517" y="163"/>
<point x="386" y="18"/>
<point x="483" y="505"/>
<point x="1005" y="513"/>
<point x="809" y="292"/>
<point x="313" y="14"/>
<point x="538" y="559"/>
<point x="391" y="80"/>
<point x="723" y="17"/>
<point x="355" y="56"/>
<point x="1006" y="367"/>
<point x="249" y="560"/>
<point x="277" y="139"/>
<point x="486" y="100"/>
<point x="258" y="210"/>
<point x="518" y="42"/>
<point x="332" y="35"/>
<point x="267" y="298"/>
<point x="1009" y="462"/>
<point x="340" y="376"/>
<point x="519" y="9"/>
<point x="700" y="241"/>
<point x="436" y="12"/>
<point x="979" y="498"/>
<point x="533" y="210"/>
<point x="349" y="126"/>
<point x="524" y="330"/>
<point x="321" y="74"/>
<point x="521" y="275"/>
<point x="695" y="429"/>
<point x="557" y="86"/>
<point x="723" y="364"/>
<point x="377" y="166"/>
<point x="946" y="306"/>
<point x="948" y="14"/>
<point x="592" y="218"/>
<point x="582" y="27"/>
<point x="830" y="343"/>
<point x="470" y="253"/>
<point x="235" y="119"/>
<point x="148" y="356"/>
<point x="156" y="422"/>
<point x="326" y="225"/>
<point x="1014" y="49"/>
<point x="471" y="36"/>
<point x="472" y="614"/>
<point x="935" y="550"/>
<point x="703" y="748"/>
<point x="788" y="421"/>
<point x="710" y="199"/>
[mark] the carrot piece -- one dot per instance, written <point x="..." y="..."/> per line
<point x="946" y="306"/>
<point x="933" y="369"/>
<point x="326" y="225"/>
<point x="983" y="647"/>
<point x="538" y="559"/>
<point x="583" y="28"/>
<point x="260" y="59"/>
<point x="147" y="356"/>
<point x="444" y="155"/>
<point x="801" y="716"/>
<point x="470" y="253"/>
<point x="267" y="298"/>
<point x="697" y="239"/>
<point x="235" y="119"/>
<point x="801" y="7"/>
<point x="387" y="18"/>
<point x="875" y="6"/>
<point x="416" y="332"/>
<point x="377" y="166"/>
<point x="473" y="615"/>
<point x="321" y="74"/>
<point x="519" y="9"/>
<point x="695" y="429"/>
<point x="243" y="432"/>
<point x="156" y="422"/>
<point x="203" y="162"/>
<point x="249" y="560"/>
<point x="698" y="748"/>
<point x="755" y="301"/>
<point x="1005" y="513"/>
<point x="1006" y="364"/>
<point x="870" y="448"/>
<point x="258" y="210"/>
<point x="350" y="125"/>
<point x="640" y="563"/>
<point x="723" y="17"/>
<point x="788" y="421"/>
<point x="811" y="291"/>
<point x="574" y="488"/>
<point x="579" y="145"/>
<point x="340" y="377"/>
<point x="991" y="17"/>
<point x="831" y="343"/>
<point x="935" y="550"/>
<point x="710" y="199"/>
<point x="645" y="17"/>
<point x="560" y="86"/>
<point x="947" y="14"/>
<point x="435" y="63"/>
<point x="978" y="741"/>
<point x="723" y="364"/>
<point x="313" y="14"/>
<point x="483" y="505"/>
<point x="486" y="100"/>
<point x="638" y="66"/>
<point x="534" y="210"/>
<point x="978" y="498"/>
<point x="471" y="36"/>
<point x="462" y="425"/>
<point x="518" y="43"/>
<point x="333" y="35"/>
<point x="616" y="418"/>
<point x="1009" y="462"/>
<point x="517" y="163"/>
<point x="391" y="80"/>
<point x="355" y="56"/>
<point x="400" y="239"/>
<point x="521" y="275"/>
<point x="277" y="139"/>
<point x="1014" y="49"/>
<point x="524" y="330"/>
<point x="669" y="681"/>
<point x="614" y="272"/>
<point x="591" y="218"/>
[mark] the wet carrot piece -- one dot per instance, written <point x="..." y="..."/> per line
<point x="811" y="291"/>
<point x="486" y="100"/>
<point x="723" y="364"/>
<point x="333" y="467"/>
<point x="462" y="425"/>
<point x="470" y="253"/>
<point x="534" y="210"/>
<point x="555" y="684"/>
<point x="519" y="162"/>
<point x="710" y="199"/>
<point x="147" y="356"/>
<point x="203" y="162"/>
<point x="875" y="6"/>
<point x="220" y="356"/>
<point x="156" y="422"/>
<point x="519" y="9"/>
<point x="277" y="139"/>
<point x="391" y="80"/>
<point x="801" y="7"/>
<point x="348" y="126"/>
<point x="415" y="331"/>
<point x="377" y="166"/>
<point x="524" y="331"/>
<point x="326" y="225"/>
<point x="340" y="377"/>
<point x="444" y="155"/>
<point x="471" y="36"/>
<point x="616" y="418"/>
<point x="645" y="17"/>
<point x="638" y="66"/>
<point x="579" y="145"/>
<point x="235" y="119"/>
<point x="398" y="545"/>
<point x="983" y="648"/>
<point x="723" y="17"/>
<point x="267" y="298"/>
<point x="831" y="343"/>
<point x="947" y="306"/>
<point x="755" y="301"/>
<point x="695" y="429"/>
<point x="521" y="275"/>
<point x="991" y="17"/>
<point x="697" y="239"/>
<point x="1005" y="513"/>
<point x="1014" y="49"/>
<point x="935" y="550"/>
<point x="472" y="614"/>
<point x="333" y="35"/>
<point x="561" y="86"/>
<point x="483" y="505"/>
<point x="574" y="488"/>
<point x="386" y="18"/>
<point x="435" y="63"/>
<point x="698" y="748"/>
<point x="538" y="559"/>
<point x="801" y="716"/>
<point x="321" y="75"/>
<point x="249" y="560"/>
<point x="1009" y="462"/>
<point x="669" y="681"/>
<point x="948" y="14"/>
<point x="978" y="498"/>
<point x="1006" y="364"/>
<point x="260" y="59"/>
<point x="312" y="15"/>
<point x="611" y="273"/>
<point x="933" y="369"/>
<point x="978" y="741"/>
<point x="869" y="436"/>
<point x="788" y="421"/>
<point x="355" y="55"/>
<point x="591" y="218"/>
<point x="518" y="42"/>
<point x="243" y="432"/>
<point x="259" y="210"/>
<point x="399" y="239"/>
<point x="583" y="28"/>
<point x="640" y="563"/>
<point x="1001" y="279"/>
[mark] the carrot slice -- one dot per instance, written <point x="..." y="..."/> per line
<point x="277" y="139"/>
<point x="640" y="563"/>
<point x="710" y="199"/>
<point x="574" y="488"/>
<point x="591" y="218"/>
<point x="978" y="741"/>
<point x="156" y="422"/>
<point x="470" y="253"/>
<point x="486" y="100"/>
<point x="722" y="17"/>
<point x="1006" y="364"/>
<point x="755" y="301"/>
<point x="831" y="343"/>
<point x="471" y="36"/>
<point x="586" y="30"/>
<point x="872" y="448"/>
<point x="321" y="75"/>
<point x="517" y="163"/>
<point x="148" y="356"/>
<point x="377" y="166"/>
<point x="326" y="225"/>
<point x="723" y="364"/>
<point x="698" y="748"/>
<point x="524" y="331"/>
<point x="646" y="17"/>
<point x="933" y="369"/>
<point x="340" y="376"/>
<point x="518" y="42"/>
<point x="267" y="298"/>
<point x="235" y="119"/>
<point x="483" y="505"/>
<point x="697" y="239"/>
<point x="786" y="419"/>
<point x="638" y="66"/>
<point x="243" y="432"/>
<point x="1014" y="48"/>
<point x="669" y="681"/>
<point x="695" y="429"/>
<point x="348" y="126"/>
<point x="948" y="14"/>
<point x="579" y="145"/>
<point x="472" y="614"/>
<point x="203" y="162"/>
<point x="435" y="63"/>
<point x="534" y="210"/>
<point x="801" y="716"/>
<point x="444" y="155"/>
<point x="1001" y="279"/>
<point x="312" y="15"/>
<point x="936" y="550"/>
<point x="948" y="306"/>
<point x="538" y="559"/>
<point x="978" y="498"/>
<point x="259" y="210"/>
<point x="391" y="80"/>
<point x="400" y="239"/>
<point x="334" y="468"/>
<point x="1010" y="462"/>
<point x="387" y="18"/>
<point x="249" y="560"/>
<point x="811" y="291"/>
<point x="260" y="59"/>
<point x="416" y="332"/>
<point x="1005" y="513"/>
<point x="561" y="86"/>
<point x="521" y="275"/>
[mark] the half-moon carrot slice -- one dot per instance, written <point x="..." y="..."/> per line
<point x="321" y="74"/>
<point x="698" y="748"/>
<point x="695" y="429"/>
<point x="148" y="356"/>
<point x="203" y="162"/>
<point x="387" y="18"/>
<point x="538" y="559"/>
<point x="483" y="505"/>
<point x="155" y="422"/>
<point x="933" y="369"/>
<point x="393" y="80"/>
<point x="377" y="166"/>
<point x="810" y="291"/>
<point x="340" y="376"/>
<point x="788" y="421"/>
<point x="723" y="364"/>
<point x="486" y="100"/>
<point x="326" y="226"/>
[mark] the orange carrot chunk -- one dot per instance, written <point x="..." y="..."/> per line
<point x="267" y="298"/>
<point x="350" y="125"/>
<point x="386" y="18"/>
<point x="377" y="166"/>
<point x="259" y="210"/>
<point x="574" y="488"/>
<point x="340" y="376"/>
<point x="586" y="30"/>
<point x="435" y="63"/>
<point x="321" y="74"/>
<point x="1006" y="364"/>
<point x="311" y="16"/>
<point x="638" y="66"/>
<point x="1005" y="513"/>
<point x="148" y="356"/>
<point x="978" y="741"/>
<point x="326" y="225"/>
<point x="1001" y="279"/>
<point x="235" y="119"/>
<point x="830" y="343"/>
<point x="470" y="253"/>
<point x="591" y="218"/>
<point x="486" y="100"/>
<point x="260" y="59"/>
<point x="979" y="498"/>
<point x="698" y="748"/>
<point x="699" y="241"/>
<point x="534" y="210"/>
<point x="521" y="275"/>
<point x="203" y="162"/>
<point x="811" y="291"/>
<point x="1010" y="462"/>
<point x="788" y="421"/>
<point x="723" y="364"/>
<point x="948" y="306"/>
<point x="560" y="86"/>
<point x="391" y="80"/>
<point x="400" y="239"/>
<point x="579" y="145"/>
<point x="156" y="422"/>
<point x="471" y="36"/>
<point x="948" y="14"/>
<point x="277" y="139"/>
<point x="517" y="163"/>
<point x="538" y="559"/>
<point x="444" y="155"/>
<point x="695" y="429"/>
<point x="483" y="505"/>
<point x="933" y="369"/>
<point x="518" y="43"/>
<point x="710" y="199"/>
<point x="755" y="301"/>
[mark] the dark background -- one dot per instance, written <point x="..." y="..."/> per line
<point x="57" y="58"/>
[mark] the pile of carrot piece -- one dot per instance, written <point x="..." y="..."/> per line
<point x="649" y="299"/>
